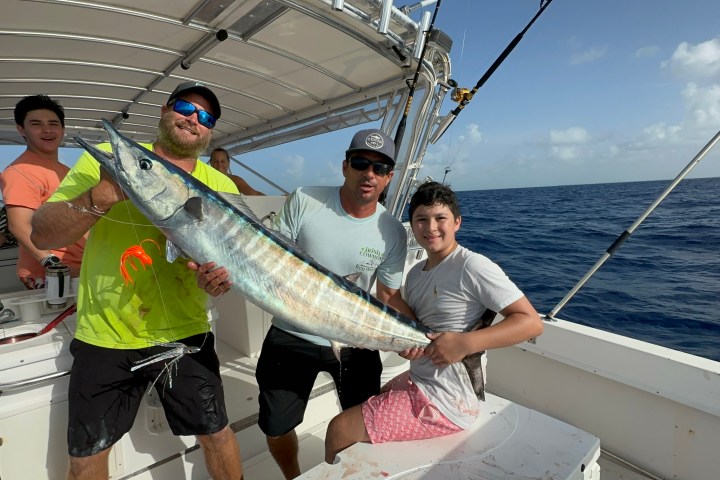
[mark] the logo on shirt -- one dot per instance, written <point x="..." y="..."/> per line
<point x="374" y="258"/>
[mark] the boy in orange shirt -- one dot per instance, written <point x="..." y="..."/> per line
<point x="30" y="180"/>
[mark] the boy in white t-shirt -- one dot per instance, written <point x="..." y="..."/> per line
<point x="449" y="293"/>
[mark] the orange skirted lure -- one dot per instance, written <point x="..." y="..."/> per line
<point x="133" y="253"/>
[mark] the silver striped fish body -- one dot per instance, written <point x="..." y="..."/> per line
<point x="264" y="267"/>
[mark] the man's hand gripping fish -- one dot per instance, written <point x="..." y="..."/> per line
<point x="264" y="266"/>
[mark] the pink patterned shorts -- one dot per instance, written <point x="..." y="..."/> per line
<point x="403" y="412"/>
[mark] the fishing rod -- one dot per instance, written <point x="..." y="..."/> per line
<point x="463" y="96"/>
<point x="626" y="234"/>
<point x="400" y="132"/>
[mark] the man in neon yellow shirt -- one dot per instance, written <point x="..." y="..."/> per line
<point x="120" y="325"/>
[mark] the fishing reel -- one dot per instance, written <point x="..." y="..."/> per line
<point x="460" y="94"/>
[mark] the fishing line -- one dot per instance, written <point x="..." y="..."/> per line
<point x="626" y="234"/>
<point x="463" y="96"/>
<point x="175" y="352"/>
<point x="33" y="183"/>
<point x="462" y="61"/>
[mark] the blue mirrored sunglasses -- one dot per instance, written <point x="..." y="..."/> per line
<point x="361" y="164"/>
<point x="186" y="109"/>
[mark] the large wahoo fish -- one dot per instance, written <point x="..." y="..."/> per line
<point x="265" y="267"/>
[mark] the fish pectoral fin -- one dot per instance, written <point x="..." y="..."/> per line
<point x="173" y="252"/>
<point x="194" y="207"/>
<point x="336" y="348"/>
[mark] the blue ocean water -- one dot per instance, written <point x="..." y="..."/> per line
<point x="661" y="286"/>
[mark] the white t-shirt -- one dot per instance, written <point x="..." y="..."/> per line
<point x="377" y="245"/>
<point x="451" y="297"/>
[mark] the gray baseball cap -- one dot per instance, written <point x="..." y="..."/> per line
<point x="200" y="89"/>
<point x="372" y="140"/>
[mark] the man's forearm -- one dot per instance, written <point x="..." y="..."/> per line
<point x="59" y="224"/>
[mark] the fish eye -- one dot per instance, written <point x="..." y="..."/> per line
<point x="145" y="164"/>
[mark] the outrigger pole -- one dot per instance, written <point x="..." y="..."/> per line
<point x="463" y="96"/>
<point x="626" y="234"/>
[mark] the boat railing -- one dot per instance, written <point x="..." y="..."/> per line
<point x="31" y="382"/>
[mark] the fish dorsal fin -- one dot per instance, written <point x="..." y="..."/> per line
<point x="238" y="201"/>
<point x="194" y="207"/>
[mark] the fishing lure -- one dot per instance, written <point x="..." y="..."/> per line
<point x="132" y="253"/>
<point x="176" y="352"/>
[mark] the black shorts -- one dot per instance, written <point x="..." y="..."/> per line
<point x="104" y="395"/>
<point x="288" y="367"/>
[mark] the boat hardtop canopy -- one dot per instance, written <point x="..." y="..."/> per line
<point x="282" y="69"/>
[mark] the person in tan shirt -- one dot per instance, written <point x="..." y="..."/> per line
<point x="30" y="180"/>
<point x="220" y="160"/>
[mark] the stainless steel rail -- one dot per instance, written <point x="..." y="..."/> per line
<point x="10" y="386"/>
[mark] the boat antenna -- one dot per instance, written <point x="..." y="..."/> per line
<point x="400" y="132"/>
<point x="626" y="234"/>
<point x="463" y="96"/>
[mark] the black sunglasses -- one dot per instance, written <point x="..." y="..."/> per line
<point x="361" y="164"/>
<point x="184" y="108"/>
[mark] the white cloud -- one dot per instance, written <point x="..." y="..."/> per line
<point x="571" y="135"/>
<point x="474" y="134"/>
<point x="696" y="62"/>
<point x="295" y="165"/>
<point x="589" y="55"/>
<point x="662" y="132"/>
<point x="457" y="152"/>
<point x="566" y="153"/>
<point x="647" y="52"/>
<point x="569" y="145"/>
<point x="703" y="104"/>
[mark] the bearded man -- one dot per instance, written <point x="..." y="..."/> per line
<point x="123" y="324"/>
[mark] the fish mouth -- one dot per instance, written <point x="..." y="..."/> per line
<point x="106" y="159"/>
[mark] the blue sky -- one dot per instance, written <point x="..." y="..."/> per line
<point x="597" y="91"/>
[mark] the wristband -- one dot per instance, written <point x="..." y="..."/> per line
<point x="51" y="259"/>
<point x="93" y="208"/>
